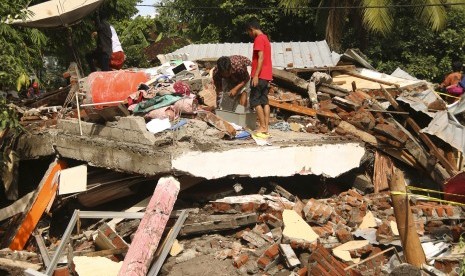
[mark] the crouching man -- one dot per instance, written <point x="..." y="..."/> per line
<point x="232" y="81"/>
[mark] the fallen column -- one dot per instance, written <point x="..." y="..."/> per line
<point x="150" y="231"/>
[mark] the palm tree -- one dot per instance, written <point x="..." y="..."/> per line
<point x="374" y="15"/>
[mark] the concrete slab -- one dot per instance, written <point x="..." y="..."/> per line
<point x="329" y="160"/>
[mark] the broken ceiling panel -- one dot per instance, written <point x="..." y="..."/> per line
<point x="328" y="159"/>
<point x="57" y="13"/>
<point x="284" y="54"/>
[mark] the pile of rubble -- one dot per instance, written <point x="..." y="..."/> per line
<point x="256" y="234"/>
<point x="170" y="120"/>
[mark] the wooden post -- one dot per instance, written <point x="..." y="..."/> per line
<point x="413" y="251"/>
<point x="150" y="230"/>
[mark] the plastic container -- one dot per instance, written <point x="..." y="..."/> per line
<point x="111" y="86"/>
<point x="247" y="119"/>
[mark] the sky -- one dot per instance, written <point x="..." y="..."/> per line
<point x="147" y="10"/>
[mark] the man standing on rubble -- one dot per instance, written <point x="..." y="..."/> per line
<point x="102" y="53"/>
<point x="231" y="78"/>
<point x="262" y="74"/>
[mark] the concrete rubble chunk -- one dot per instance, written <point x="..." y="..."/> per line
<point x="96" y="266"/>
<point x="346" y="251"/>
<point x="251" y="203"/>
<point x="289" y="255"/>
<point x="176" y="248"/>
<point x="296" y="229"/>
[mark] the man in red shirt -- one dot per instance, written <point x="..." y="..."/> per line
<point x="261" y="74"/>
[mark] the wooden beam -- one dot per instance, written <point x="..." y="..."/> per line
<point x="410" y="241"/>
<point x="357" y="75"/>
<point x="293" y="108"/>
<point x="150" y="231"/>
<point x="291" y="80"/>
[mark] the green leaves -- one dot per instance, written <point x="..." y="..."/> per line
<point x="8" y="117"/>
<point x="20" y="48"/>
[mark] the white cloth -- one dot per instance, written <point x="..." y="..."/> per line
<point x="115" y="44"/>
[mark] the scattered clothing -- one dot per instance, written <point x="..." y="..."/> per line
<point x="155" y="103"/>
<point x="157" y="125"/>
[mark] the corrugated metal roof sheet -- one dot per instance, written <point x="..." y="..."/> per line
<point x="447" y="130"/>
<point x="419" y="101"/>
<point x="284" y="54"/>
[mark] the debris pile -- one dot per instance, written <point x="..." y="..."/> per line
<point x="354" y="125"/>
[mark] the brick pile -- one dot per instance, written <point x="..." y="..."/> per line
<point x="335" y="221"/>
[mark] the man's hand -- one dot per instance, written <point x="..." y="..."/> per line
<point x="232" y="92"/>
<point x="255" y="81"/>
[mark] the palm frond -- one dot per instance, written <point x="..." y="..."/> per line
<point x="460" y="5"/>
<point x="377" y="19"/>
<point x="290" y="6"/>
<point x="434" y="14"/>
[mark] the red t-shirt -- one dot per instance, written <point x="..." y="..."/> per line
<point x="261" y="43"/>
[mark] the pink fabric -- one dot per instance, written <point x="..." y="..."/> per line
<point x="162" y="113"/>
<point x="187" y="105"/>
<point x="455" y="90"/>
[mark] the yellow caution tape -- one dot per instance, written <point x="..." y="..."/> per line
<point x="431" y="191"/>
<point x="428" y="198"/>
<point x="447" y="95"/>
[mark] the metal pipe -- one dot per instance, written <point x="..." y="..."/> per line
<point x="169" y="243"/>
<point x="64" y="241"/>
<point x="105" y="103"/>
<point x="79" y="113"/>
<point x="109" y="214"/>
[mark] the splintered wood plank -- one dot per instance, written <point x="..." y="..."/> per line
<point x="217" y="122"/>
<point x="382" y="165"/>
<point x="293" y="108"/>
<point x="150" y="231"/>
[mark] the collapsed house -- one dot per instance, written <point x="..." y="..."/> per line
<point x="342" y="133"/>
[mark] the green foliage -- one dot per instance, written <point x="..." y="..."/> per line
<point x="224" y="21"/>
<point x="68" y="44"/>
<point x="8" y="117"/>
<point x="414" y="47"/>
<point x="20" y="48"/>
<point x="135" y="35"/>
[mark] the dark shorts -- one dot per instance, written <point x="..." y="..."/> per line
<point x="259" y="93"/>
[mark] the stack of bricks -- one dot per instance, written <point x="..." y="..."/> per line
<point x="317" y="212"/>
<point x="322" y="263"/>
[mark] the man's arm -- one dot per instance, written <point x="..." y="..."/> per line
<point x="259" y="68"/>
<point x="237" y="88"/>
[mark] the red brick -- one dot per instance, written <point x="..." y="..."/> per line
<point x="343" y="235"/>
<point x="317" y="212"/>
<point x="440" y="211"/>
<point x="302" y="272"/>
<point x="221" y="206"/>
<point x="263" y="262"/>
<point x="272" y="252"/>
<point x="449" y="210"/>
<point x="240" y="260"/>
<point x="355" y="194"/>
<point x="384" y="233"/>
